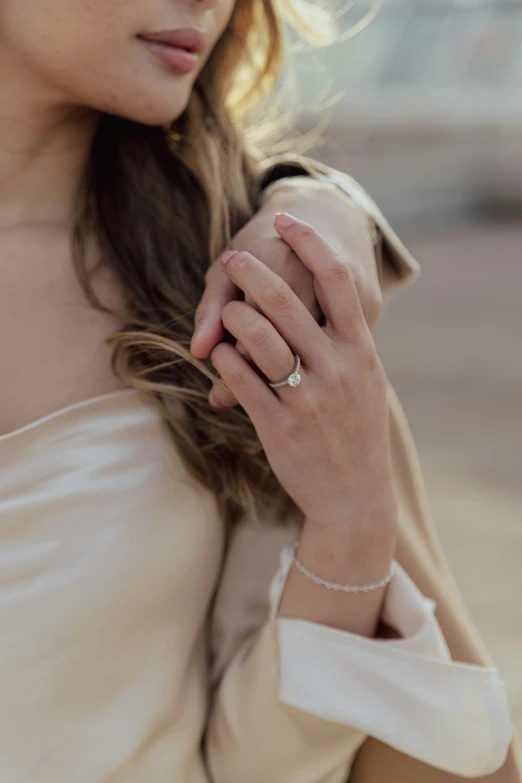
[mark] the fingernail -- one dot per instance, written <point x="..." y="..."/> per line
<point x="199" y="329"/>
<point x="226" y="256"/>
<point x="284" y="220"/>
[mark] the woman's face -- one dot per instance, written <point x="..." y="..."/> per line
<point x="101" y="53"/>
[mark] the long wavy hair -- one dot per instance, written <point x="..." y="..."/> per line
<point x="161" y="204"/>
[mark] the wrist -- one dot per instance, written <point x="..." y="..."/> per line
<point x="361" y="530"/>
<point x="342" y="539"/>
<point x="295" y="189"/>
<point x="346" y="555"/>
<point x="359" y="516"/>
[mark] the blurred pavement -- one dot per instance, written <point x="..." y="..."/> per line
<point x="452" y="348"/>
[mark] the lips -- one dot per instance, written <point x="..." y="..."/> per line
<point x="188" y="38"/>
<point x="179" y="49"/>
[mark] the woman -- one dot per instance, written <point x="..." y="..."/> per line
<point x="122" y="509"/>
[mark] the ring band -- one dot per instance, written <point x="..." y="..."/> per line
<point x="294" y="379"/>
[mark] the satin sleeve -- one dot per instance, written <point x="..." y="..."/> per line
<point x="293" y="700"/>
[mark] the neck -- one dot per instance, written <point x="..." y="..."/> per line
<point x="44" y="146"/>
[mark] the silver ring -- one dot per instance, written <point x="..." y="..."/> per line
<point x="294" y="379"/>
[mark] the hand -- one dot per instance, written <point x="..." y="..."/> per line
<point x="326" y="440"/>
<point x="342" y="223"/>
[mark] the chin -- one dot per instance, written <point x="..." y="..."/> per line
<point x="150" y="107"/>
<point x="153" y="115"/>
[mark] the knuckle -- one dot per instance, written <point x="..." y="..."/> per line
<point x="339" y="270"/>
<point x="258" y="334"/>
<point x="236" y="375"/>
<point x="277" y="295"/>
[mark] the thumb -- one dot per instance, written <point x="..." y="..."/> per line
<point x="209" y="329"/>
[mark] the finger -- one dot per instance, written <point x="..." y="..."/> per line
<point x="219" y="396"/>
<point x="300" y="281"/>
<point x="249" y="389"/>
<point x="268" y="350"/>
<point x="335" y="287"/>
<point x="208" y="326"/>
<point x="279" y="304"/>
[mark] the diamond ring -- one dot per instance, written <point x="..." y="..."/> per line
<point x="294" y="379"/>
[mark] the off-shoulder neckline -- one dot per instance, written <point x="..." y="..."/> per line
<point x="88" y="402"/>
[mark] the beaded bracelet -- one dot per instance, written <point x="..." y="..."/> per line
<point x="343" y="588"/>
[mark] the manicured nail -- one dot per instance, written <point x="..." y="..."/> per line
<point x="284" y="220"/>
<point x="199" y="329"/>
<point x="226" y="256"/>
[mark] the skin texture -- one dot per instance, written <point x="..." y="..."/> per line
<point x="86" y="52"/>
<point x="335" y="217"/>
<point x="61" y="61"/>
<point x="327" y="440"/>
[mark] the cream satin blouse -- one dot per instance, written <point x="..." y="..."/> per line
<point x="114" y="670"/>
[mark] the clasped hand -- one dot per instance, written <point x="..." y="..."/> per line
<point x="327" y="440"/>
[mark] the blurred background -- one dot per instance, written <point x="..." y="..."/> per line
<point x="427" y="115"/>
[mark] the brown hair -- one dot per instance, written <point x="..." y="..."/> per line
<point x="162" y="203"/>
